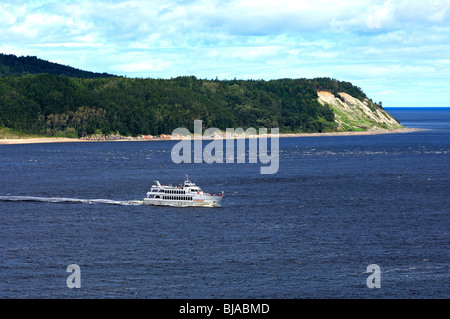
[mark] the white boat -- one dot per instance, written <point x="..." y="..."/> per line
<point x="184" y="195"/>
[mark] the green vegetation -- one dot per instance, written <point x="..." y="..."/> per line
<point x="11" y="65"/>
<point x="13" y="134"/>
<point x="62" y="105"/>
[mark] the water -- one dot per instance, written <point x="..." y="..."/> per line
<point x="336" y="205"/>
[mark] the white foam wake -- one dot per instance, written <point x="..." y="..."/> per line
<point x="69" y="200"/>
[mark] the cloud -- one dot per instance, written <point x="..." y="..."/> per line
<point x="69" y="45"/>
<point x="209" y="22"/>
<point x="144" y="66"/>
<point x="366" y="41"/>
<point x="378" y="15"/>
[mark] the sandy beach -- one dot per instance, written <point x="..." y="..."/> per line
<point x="166" y="138"/>
<point x="368" y="132"/>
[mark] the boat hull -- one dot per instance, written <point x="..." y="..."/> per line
<point x="180" y="203"/>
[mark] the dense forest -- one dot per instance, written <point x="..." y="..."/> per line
<point x="11" y="65"/>
<point x="62" y="105"/>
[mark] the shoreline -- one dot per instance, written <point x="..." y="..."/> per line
<point x="39" y="140"/>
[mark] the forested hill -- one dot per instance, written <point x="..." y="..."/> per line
<point x="50" y="104"/>
<point x="11" y="65"/>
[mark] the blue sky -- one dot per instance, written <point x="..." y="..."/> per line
<point x="398" y="52"/>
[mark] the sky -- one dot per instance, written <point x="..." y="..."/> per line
<point x="398" y="52"/>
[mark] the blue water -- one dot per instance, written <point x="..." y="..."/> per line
<point x="336" y="205"/>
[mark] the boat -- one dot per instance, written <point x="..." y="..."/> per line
<point x="186" y="195"/>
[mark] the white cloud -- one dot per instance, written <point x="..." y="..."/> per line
<point x="368" y="41"/>
<point x="69" y="45"/>
<point x="378" y="15"/>
<point x="144" y="66"/>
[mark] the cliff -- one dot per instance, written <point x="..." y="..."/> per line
<point x="352" y="114"/>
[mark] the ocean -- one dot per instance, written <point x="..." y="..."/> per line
<point x="337" y="205"/>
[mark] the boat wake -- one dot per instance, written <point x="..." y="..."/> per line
<point x="69" y="200"/>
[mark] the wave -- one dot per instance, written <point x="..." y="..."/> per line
<point x="69" y="200"/>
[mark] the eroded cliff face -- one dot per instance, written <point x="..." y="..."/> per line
<point x="353" y="115"/>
